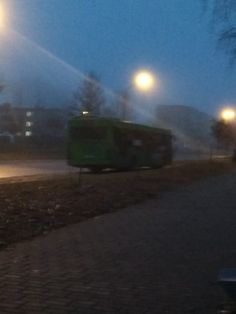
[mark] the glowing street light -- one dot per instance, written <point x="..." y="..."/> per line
<point x="144" y="80"/>
<point x="2" y="17"/>
<point x="228" y="114"/>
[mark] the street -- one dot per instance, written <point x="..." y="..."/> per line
<point x="10" y="169"/>
<point x="19" y="168"/>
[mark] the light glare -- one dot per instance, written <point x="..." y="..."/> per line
<point x="228" y="114"/>
<point x="2" y="17"/>
<point x="144" y="80"/>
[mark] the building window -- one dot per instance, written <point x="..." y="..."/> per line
<point x="28" y="133"/>
<point x="28" y="123"/>
<point x="29" y="113"/>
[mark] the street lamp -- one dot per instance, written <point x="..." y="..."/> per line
<point x="228" y="114"/>
<point x="144" y="81"/>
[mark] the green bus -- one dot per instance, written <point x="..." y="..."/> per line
<point x="99" y="143"/>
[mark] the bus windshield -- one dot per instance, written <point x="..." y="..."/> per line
<point x="88" y="133"/>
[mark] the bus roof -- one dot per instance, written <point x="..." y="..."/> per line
<point x="75" y="121"/>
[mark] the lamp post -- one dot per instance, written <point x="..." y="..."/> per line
<point x="143" y="81"/>
<point x="124" y="104"/>
<point x="228" y="115"/>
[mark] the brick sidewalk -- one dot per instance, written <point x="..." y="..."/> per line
<point x="159" y="257"/>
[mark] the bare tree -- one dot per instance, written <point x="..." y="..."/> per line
<point x="224" y="133"/>
<point x="89" y="96"/>
<point x="224" y="18"/>
<point x="124" y="105"/>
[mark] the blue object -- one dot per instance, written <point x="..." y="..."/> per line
<point x="227" y="280"/>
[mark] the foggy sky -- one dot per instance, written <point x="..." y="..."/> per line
<point x="114" y="38"/>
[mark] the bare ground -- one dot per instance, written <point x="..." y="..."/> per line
<point x="36" y="206"/>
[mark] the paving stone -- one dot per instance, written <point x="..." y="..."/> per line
<point x="159" y="257"/>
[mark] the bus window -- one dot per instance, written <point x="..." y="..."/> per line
<point x="137" y="143"/>
<point x="88" y="133"/>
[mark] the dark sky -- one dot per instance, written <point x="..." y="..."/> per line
<point x="114" y="38"/>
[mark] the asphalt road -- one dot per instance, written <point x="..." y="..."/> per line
<point x="10" y="169"/>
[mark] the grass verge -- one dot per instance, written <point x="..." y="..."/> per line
<point x="28" y="209"/>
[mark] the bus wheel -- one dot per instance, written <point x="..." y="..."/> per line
<point x="124" y="169"/>
<point x="96" y="169"/>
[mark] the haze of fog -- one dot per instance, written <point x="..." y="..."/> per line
<point x="113" y="38"/>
